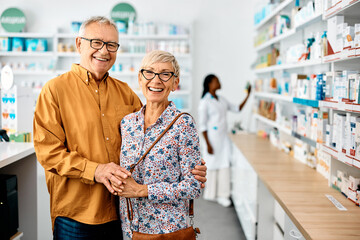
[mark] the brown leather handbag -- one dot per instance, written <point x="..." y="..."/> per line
<point x="189" y="233"/>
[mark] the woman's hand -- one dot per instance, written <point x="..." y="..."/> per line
<point x="200" y="173"/>
<point x="131" y="189"/>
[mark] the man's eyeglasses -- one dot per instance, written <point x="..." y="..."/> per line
<point x="150" y="75"/>
<point x="99" y="44"/>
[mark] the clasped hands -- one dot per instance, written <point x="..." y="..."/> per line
<point x="119" y="181"/>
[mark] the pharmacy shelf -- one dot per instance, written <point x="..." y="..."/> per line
<point x="134" y="37"/>
<point x="273" y="96"/>
<point x="27" y="35"/>
<point x="289" y="66"/>
<point x="276" y="39"/>
<point x="289" y="33"/>
<point x="340" y="57"/>
<point x="306" y="102"/>
<point x="27" y="54"/>
<point x="278" y="9"/>
<point x="34" y="73"/>
<point x="119" y="55"/>
<point x="155" y="37"/>
<point x="340" y="156"/>
<point x="350" y="10"/>
<point x="340" y="106"/>
<point x="67" y="54"/>
<point x="309" y="21"/>
<point x="66" y="35"/>
<point x="272" y="123"/>
<point x="304" y="139"/>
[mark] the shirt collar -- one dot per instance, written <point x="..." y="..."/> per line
<point x="166" y="117"/>
<point x="84" y="74"/>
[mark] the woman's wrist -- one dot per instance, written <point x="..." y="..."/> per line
<point x="143" y="191"/>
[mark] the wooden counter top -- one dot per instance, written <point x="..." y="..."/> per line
<point x="300" y="191"/>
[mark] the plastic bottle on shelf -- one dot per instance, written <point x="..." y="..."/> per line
<point x="324" y="44"/>
<point x="316" y="49"/>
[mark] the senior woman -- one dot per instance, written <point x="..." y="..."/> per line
<point x="162" y="183"/>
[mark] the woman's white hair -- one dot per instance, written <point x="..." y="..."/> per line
<point x="157" y="56"/>
<point x="96" y="19"/>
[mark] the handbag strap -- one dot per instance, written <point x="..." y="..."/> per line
<point x="132" y="167"/>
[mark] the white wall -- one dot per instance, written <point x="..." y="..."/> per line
<point x="223" y="40"/>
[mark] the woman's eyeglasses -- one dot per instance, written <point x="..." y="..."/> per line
<point x="150" y="75"/>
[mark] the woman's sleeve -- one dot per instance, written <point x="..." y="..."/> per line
<point x="203" y="117"/>
<point x="188" y="156"/>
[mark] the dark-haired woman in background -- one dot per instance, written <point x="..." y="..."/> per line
<point x="213" y="125"/>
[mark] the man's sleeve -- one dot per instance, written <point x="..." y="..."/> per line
<point x="50" y="141"/>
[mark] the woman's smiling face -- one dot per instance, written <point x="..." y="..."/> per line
<point x="156" y="90"/>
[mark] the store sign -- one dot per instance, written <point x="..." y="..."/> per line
<point x="13" y="20"/>
<point x="123" y="12"/>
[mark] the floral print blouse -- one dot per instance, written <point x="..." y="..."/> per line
<point x="166" y="170"/>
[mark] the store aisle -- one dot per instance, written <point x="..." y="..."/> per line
<point x="217" y="222"/>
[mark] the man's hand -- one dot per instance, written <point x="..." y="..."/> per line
<point x="131" y="189"/>
<point x="200" y="173"/>
<point x="111" y="172"/>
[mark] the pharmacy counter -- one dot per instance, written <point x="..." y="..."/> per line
<point x="12" y="152"/>
<point x="19" y="159"/>
<point x="299" y="190"/>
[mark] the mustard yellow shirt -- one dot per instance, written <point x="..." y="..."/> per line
<point x="76" y="127"/>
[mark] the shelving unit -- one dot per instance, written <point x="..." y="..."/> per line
<point x="278" y="9"/>
<point x="272" y="123"/>
<point x="61" y="61"/>
<point x="337" y="159"/>
<point x="273" y="96"/>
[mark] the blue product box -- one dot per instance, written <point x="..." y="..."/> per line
<point x="75" y="27"/>
<point x="18" y="44"/>
<point x="5" y="44"/>
<point x="121" y="26"/>
<point x="36" y="45"/>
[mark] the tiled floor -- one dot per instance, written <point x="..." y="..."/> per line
<point x="217" y="222"/>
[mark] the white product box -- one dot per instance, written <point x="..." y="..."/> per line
<point x="352" y="195"/>
<point x="341" y="133"/>
<point x="348" y="36"/>
<point x="345" y="186"/>
<point x="332" y="24"/>
<point x="328" y="138"/>
<point x="354" y="182"/>
<point x="340" y="28"/>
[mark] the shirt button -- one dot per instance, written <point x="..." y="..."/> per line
<point x="103" y="114"/>
<point x="107" y="139"/>
<point x="96" y="90"/>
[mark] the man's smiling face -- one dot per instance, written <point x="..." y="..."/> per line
<point x="98" y="62"/>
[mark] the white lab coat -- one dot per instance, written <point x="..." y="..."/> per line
<point x="212" y="118"/>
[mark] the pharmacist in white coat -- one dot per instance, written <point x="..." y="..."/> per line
<point x="217" y="150"/>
